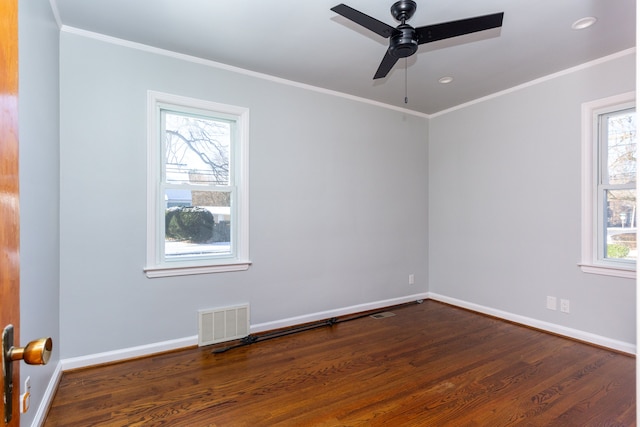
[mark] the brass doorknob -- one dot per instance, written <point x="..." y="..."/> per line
<point x="37" y="352"/>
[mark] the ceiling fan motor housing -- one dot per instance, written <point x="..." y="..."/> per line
<point x="403" y="42"/>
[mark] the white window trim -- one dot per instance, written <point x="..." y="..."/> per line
<point x="155" y="267"/>
<point x="590" y="262"/>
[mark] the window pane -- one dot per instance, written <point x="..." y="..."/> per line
<point x="621" y="224"/>
<point x="196" y="149"/>
<point x="621" y="147"/>
<point x="197" y="223"/>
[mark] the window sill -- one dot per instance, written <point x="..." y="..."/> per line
<point x="608" y="271"/>
<point x="153" y="272"/>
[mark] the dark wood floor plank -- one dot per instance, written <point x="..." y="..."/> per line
<point x="429" y="365"/>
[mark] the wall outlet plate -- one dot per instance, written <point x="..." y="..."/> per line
<point x="551" y="303"/>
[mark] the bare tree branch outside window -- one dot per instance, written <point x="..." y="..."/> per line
<point x="622" y="148"/>
<point x="619" y="184"/>
<point x="197" y="150"/>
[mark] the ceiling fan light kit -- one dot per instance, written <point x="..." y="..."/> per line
<point x="404" y="39"/>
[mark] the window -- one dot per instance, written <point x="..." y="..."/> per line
<point x="197" y="191"/>
<point x="609" y="217"/>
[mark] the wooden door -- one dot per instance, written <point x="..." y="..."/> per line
<point x="9" y="191"/>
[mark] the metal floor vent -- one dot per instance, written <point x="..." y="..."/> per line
<point x="222" y="324"/>
<point x="382" y="315"/>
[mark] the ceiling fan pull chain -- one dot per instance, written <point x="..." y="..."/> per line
<point x="406" y="99"/>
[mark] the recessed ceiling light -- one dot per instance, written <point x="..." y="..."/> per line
<point x="445" y="80"/>
<point x="583" y="23"/>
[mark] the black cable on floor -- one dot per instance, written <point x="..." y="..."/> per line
<point x="252" y="339"/>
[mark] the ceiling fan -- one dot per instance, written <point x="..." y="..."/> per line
<point x="404" y="39"/>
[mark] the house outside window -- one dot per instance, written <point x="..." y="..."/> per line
<point x="609" y="217"/>
<point x="197" y="191"/>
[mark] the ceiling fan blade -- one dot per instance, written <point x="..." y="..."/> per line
<point x="445" y="30"/>
<point x="386" y="65"/>
<point x="366" y="21"/>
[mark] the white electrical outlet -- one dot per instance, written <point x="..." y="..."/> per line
<point x="564" y="305"/>
<point x="551" y="303"/>
<point x="411" y="279"/>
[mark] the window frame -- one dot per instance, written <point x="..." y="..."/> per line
<point x="156" y="264"/>
<point x="592" y="201"/>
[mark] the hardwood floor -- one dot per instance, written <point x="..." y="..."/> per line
<point x="429" y="365"/>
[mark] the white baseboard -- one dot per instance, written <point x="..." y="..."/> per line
<point x="149" y="349"/>
<point x="588" y="337"/>
<point x="314" y="317"/>
<point x="41" y="414"/>
<point x="146" y="350"/>
<point x="127" y="353"/>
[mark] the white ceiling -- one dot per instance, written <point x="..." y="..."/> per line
<point x="304" y="41"/>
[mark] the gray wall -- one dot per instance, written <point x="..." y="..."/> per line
<point x="39" y="189"/>
<point x="338" y="201"/>
<point x="504" y="204"/>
